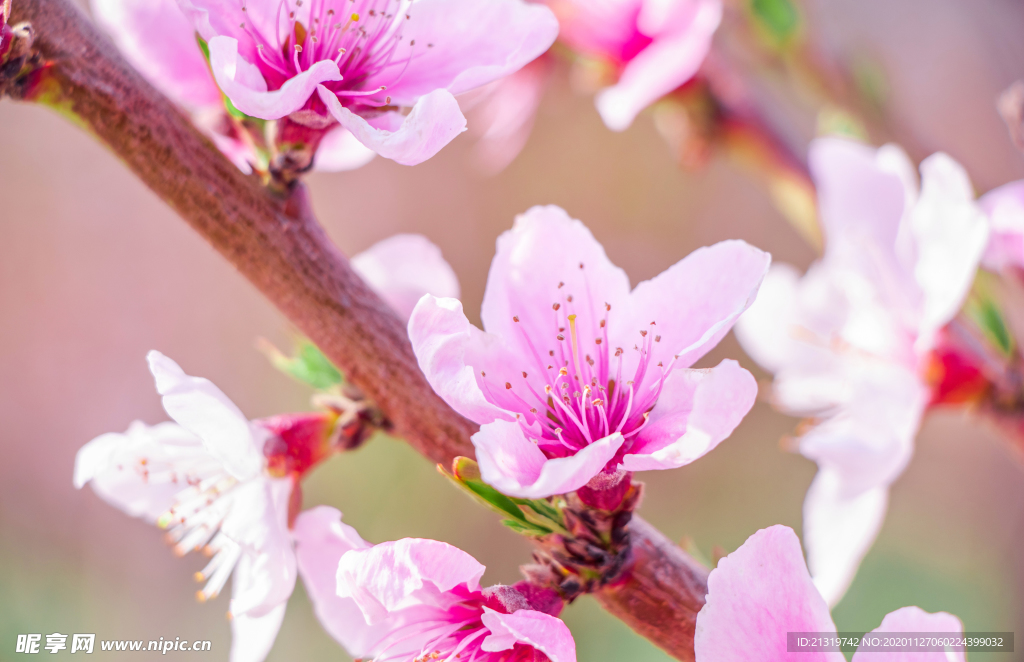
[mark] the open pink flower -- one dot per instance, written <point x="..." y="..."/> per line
<point x="850" y="340"/>
<point x="651" y="46"/>
<point x="364" y="63"/>
<point x="575" y="375"/>
<point x="160" y="42"/>
<point x="1005" y="209"/>
<point x="413" y="600"/>
<point x="221" y="483"/>
<point x="763" y="591"/>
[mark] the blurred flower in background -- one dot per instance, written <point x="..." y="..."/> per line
<point x="850" y="341"/>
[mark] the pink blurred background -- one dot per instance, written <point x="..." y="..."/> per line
<point x="95" y="271"/>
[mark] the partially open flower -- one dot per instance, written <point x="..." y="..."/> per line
<point x="578" y="379"/>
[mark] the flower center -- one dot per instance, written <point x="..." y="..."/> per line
<point x="194" y="521"/>
<point x="364" y="38"/>
<point x="583" y="394"/>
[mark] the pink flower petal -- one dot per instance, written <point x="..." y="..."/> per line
<point x="505" y="114"/>
<point x="258" y="521"/>
<point x="671" y="60"/>
<point x="405" y="267"/>
<point x="242" y="82"/>
<point x="537" y="264"/>
<point x="951" y="233"/>
<point x="321" y="539"/>
<point x="915" y="619"/>
<point x="839" y="529"/>
<point x="697" y="409"/>
<point x="694" y="302"/>
<point x="766" y="330"/>
<point x="451" y="353"/>
<point x="755" y="596"/>
<point x="159" y="41"/>
<point x="214" y="18"/>
<point x="514" y="465"/>
<point x="340" y="151"/>
<point x="252" y="637"/>
<point x="435" y="120"/>
<point x="403" y="574"/>
<point x="463" y="44"/>
<point x="112" y="464"/>
<point x="861" y="203"/>
<point x="203" y="409"/>
<point x="545" y="633"/>
<point x="1005" y="208"/>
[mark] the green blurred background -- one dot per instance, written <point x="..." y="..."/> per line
<point x="95" y="271"/>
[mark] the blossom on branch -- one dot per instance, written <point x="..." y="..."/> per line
<point x="342" y="79"/>
<point x="850" y="342"/>
<point x="220" y="483"/>
<point x="763" y="591"/>
<point x="576" y="379"/>
<point x="160" y="42"/>
<point x="413" y="600"/>
<point x="387" y="72"/>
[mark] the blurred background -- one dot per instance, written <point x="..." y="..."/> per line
<point x="95" y="271"/>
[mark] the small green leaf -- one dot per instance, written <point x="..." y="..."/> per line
<point x="308" y="366"/>
<point x="466" y="475"/>
<point x="530" y="517"/>
<point x="778" y="20"/>
<point x="982" y="308"/>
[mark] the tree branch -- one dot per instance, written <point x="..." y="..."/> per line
<point x="277" y="244"/>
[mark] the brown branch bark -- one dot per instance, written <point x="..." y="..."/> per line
<point x="277" y="244"/>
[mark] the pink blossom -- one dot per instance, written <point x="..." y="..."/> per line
<point x="850" y="340"/>
<point x="1005" y="209"/>
<point x="361" y="64"/>
<point x="206" y="479"/>
<point x="576" y="376"/>
<point x="504" y="111"/>
<point x="414" y="600"/>
<point x="763" y="591"/>
<point x="651" y="47"/>
<point x="160" y="42"/>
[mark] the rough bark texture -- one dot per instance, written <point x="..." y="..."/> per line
<point x="277" y="244"/>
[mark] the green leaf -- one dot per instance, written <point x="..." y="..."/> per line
<point x="530" y="517"/>
<point x="982" y="308"/>
<point x="308" y="366"/>
<point x="778" y="20"/>
<point x="466" y="474"/>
